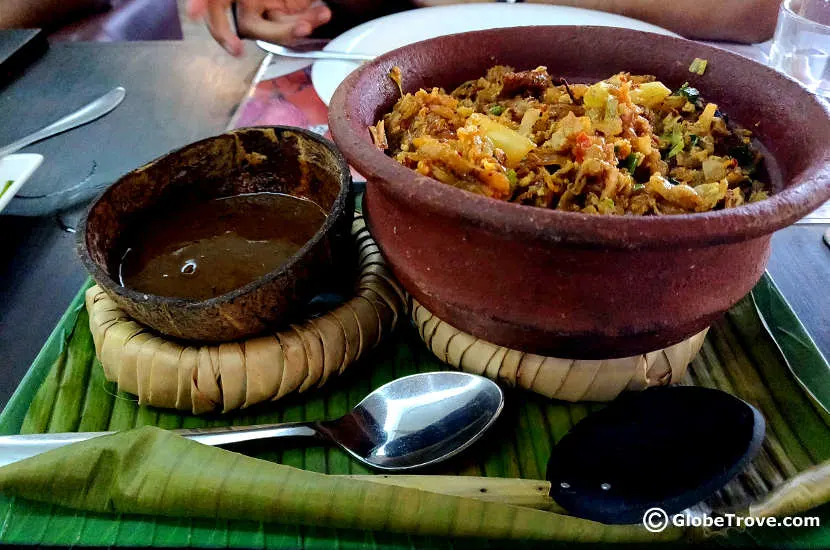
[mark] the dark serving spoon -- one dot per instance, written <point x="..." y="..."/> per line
<point x="668" y="448"/>
<point x="665" y="448"/>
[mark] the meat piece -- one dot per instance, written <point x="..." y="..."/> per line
<point x="379" y="136"/>
<point x="535" y="82"/>
<point x="641" y="126"/>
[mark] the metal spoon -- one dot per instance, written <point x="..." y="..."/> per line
<point x="278" y="49"/>
<point x="89" y="112"/>
<point x="408" y="423"/>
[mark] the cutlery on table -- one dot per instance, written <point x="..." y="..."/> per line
<point x="284" y="51"/>
<point x="408" y="423"/>
<point x="89" y="112"/>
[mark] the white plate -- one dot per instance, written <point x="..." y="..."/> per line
<point x="393" y="31"/>
<point x="17" y="169"/>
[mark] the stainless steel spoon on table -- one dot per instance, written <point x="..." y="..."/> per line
<point x="408" y="423"/>
<point x="284" y="51"/>
<point x="89" y="112"/>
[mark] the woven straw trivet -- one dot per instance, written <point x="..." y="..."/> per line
<point x="228" y="376"/>
<point x="566" y="379"/>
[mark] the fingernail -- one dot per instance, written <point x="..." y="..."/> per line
<point x="302" y="28"/>
<point x="324" y="16"/>
<point x="235" y="49"/>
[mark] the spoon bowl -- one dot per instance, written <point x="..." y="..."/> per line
<point x="417" y="420"/>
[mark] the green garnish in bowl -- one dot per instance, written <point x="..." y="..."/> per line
<point x="6" y="187"/>
<point x="698" y="66"/>
<point x="690" y="93"/>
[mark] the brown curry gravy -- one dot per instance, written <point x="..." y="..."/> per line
<point x="207" y="249"/>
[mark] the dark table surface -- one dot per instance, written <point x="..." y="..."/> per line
<point x="177" y="92"/>
<point x="192" y="93"/>
<point x="800" y="265"/>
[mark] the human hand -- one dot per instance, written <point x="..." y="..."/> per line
<point x="281" y="26"/>
<point x="271" y="20"/>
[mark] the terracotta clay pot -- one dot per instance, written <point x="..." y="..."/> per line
<point x="248" y="160"/>
<point x="570" y="284"/>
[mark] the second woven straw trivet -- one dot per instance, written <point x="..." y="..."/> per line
<point x="566" y="379"/>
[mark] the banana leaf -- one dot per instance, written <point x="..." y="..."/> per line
<point x="803" y="358"/>
<point x="738" y="356"/>
<point x="153" y="471"/>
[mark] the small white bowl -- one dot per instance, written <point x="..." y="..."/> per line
<point x="17" y="169"/>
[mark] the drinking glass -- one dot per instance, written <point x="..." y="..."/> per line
<point x="801" y="46"/>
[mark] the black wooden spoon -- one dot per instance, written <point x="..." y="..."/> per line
<point x="667" y="448"/>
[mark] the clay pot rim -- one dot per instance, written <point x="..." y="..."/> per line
<point x="806" y="191"/>
<point x="337" y="210"/>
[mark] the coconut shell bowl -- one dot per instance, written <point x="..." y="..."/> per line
<point x="251" y="160"/>
<point x="568" y="284"/>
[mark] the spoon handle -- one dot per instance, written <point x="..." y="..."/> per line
<point x="278" y="49"/>
<point x="18" y="447"/>
<point x="92" y="111"/>
<point x="218" y="437"/>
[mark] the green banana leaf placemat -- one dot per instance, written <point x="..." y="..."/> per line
<point x="65" y="390"/>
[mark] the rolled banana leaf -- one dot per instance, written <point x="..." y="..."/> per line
<point x="152" y="471"/>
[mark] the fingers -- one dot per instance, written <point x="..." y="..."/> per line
<point x="297" y="6"/>
<point x="284" y="6"/>
<point x="320" y="14"/>
<point x="196" y="8"/>
<point x="291" y="6"/>
<point x="221" y="30"/>
<point x="279" y="27"/>
<point x="306" y="21"/>
<point x="254" y="25"/>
